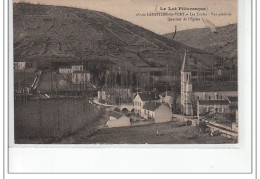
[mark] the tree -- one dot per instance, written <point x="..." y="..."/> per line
<point x="176" y="89"/>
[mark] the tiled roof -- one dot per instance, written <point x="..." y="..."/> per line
<point x="151" y="106"/>
<point x="213" y="102"/>
<point x="214" y="86"/>
<point x="115" y="114"/>
<point x="148" y="96"/>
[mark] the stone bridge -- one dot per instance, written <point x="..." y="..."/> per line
<point x="129" y="107"/>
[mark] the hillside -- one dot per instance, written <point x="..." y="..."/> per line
<point x="53" y="33"/>
<point x="223" y="43"/>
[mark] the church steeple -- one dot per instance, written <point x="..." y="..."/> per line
<point x="186" y="86"/>
<point x="185" y="65"/>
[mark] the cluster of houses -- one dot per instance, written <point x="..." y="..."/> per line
<point x="79" y="75"/>
<point x="149" y="105"/>
<point x="19" y="66"/>
<point x="115" y="95"/>
<point x="199" y="97"/>
<point x="67" y="78"/>
<point x="146" y="106"/>
<point x="201" y="94"/>
<point x="23" y="66"/>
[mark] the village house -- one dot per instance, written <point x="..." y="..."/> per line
<point x="215" y="106"/>
<point x="140" y="99"/>
<point x="19" y="66"/>
<point x="76" y="67"/>
<point x="116" y="95"/>
<point x="193" y="90"/>
<point x="117" y="120"/>
<point x="167" y="98"/>
<point x="102" y="95"/>
<point x="233" y="103"/>
<point x="65" y="70"/>
<point x="80" y="77"/>
<point x="233" y="106"/>
<point x="157" y="111"/>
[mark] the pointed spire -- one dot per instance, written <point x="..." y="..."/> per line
<point x="185" y="66"/>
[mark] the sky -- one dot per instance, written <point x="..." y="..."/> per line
<point x="128" y="9"/>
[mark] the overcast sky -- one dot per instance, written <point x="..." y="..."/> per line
<point x="127" y="9"/>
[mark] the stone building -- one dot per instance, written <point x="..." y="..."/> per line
<point x="195" y="88"/>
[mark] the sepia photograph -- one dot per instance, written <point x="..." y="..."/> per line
<point x="125" y="72"/>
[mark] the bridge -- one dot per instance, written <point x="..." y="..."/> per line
<point x="129" y="107"/>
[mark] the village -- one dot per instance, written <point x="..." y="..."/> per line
<point x="203" y="95"/>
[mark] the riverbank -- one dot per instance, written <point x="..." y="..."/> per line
<point x="44" y="121"/>
<point x="162" y="133"/>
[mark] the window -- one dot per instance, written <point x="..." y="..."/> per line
<point x="209" y="97"/>
<point x="198" y="97"/>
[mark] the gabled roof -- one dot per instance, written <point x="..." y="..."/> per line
<point x="151" y="106"/>
<point x="213" y="102"/>
<point x="214" y="86"/>
<point x="148" y="96"/>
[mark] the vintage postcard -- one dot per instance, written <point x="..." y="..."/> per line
<point x="125" y="72"/>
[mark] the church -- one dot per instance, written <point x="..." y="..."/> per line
<point x="207" y="84"/>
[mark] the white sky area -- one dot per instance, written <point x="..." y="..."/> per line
<point x="127" y="9"/>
